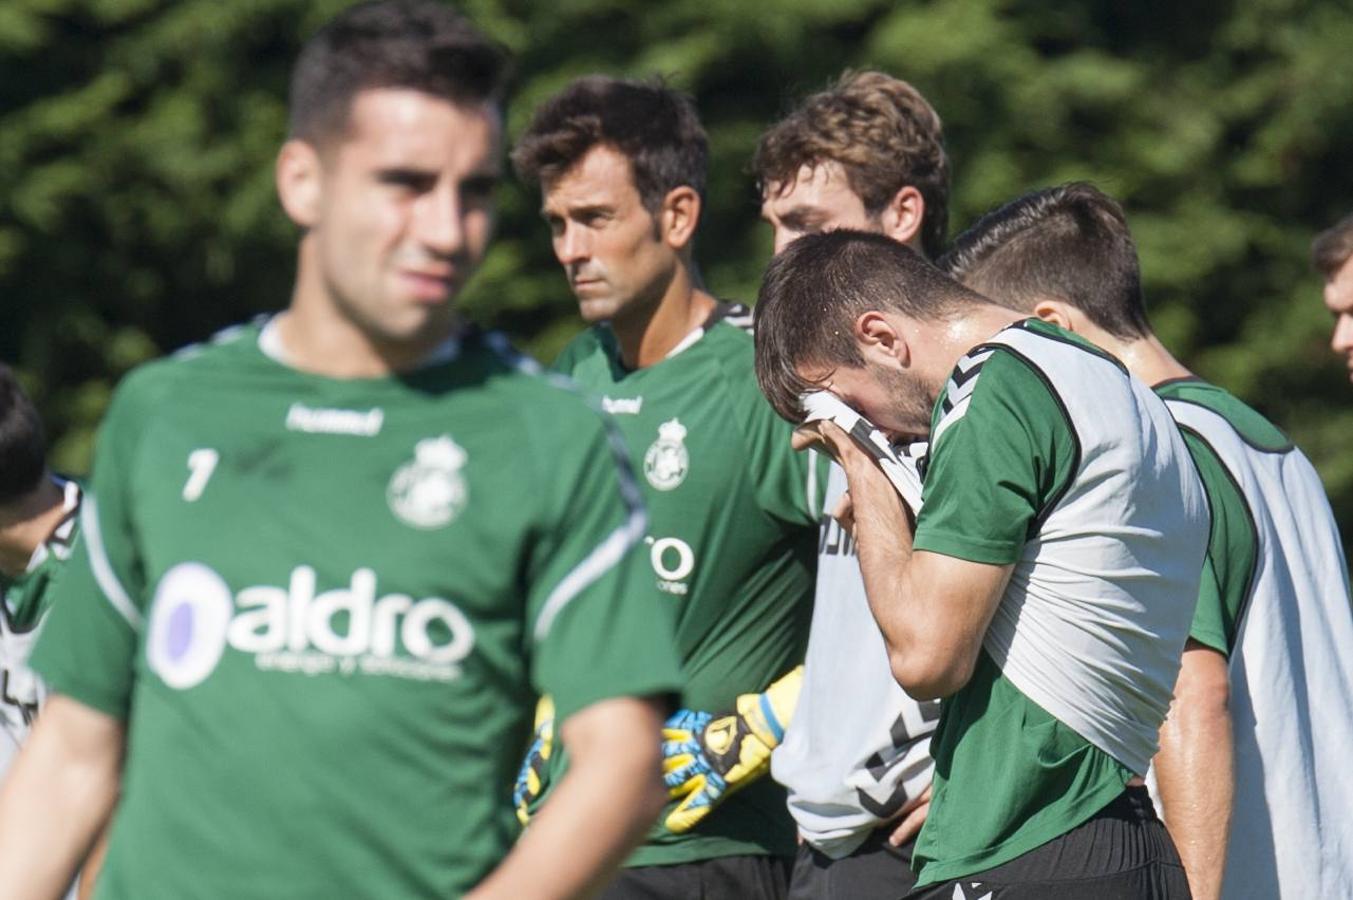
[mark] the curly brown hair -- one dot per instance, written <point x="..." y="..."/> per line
<point x="881" y="131"/>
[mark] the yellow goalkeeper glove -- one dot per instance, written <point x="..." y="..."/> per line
<point x="531" y="778"/>
<point x="706" y="757"/>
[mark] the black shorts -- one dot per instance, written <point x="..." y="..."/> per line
<point x="1122" y="853"/>
<point x="725" y="878"/>
<point x="876" y="870"/>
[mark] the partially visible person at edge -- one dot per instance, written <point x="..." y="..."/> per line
<point x="1332" y="253"/>
<point x="1061" y="522"/>
<point x="330" y="565"/>
<point x="867" y="153"/>
<point x="1263" y="712"/>
<point x="38" y="525"/>
<point x="733" y="511"/>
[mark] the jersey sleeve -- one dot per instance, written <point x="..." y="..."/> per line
<point x="1232" y="551"/>
<point x="598" y="627"/>
<point x="88" y="643"/>
<point x="1002" y="450"/>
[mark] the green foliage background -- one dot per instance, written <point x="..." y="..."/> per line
<point x="136" y="140"/>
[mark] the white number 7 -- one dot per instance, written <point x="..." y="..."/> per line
<point x="201" y="463"/>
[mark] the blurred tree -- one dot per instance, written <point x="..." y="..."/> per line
<point x="136" y="140"/>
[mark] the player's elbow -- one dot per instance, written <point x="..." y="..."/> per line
<point x="927" y="675"/>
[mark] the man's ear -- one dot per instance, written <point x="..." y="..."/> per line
<point x="679" y="216"/>
<point x="901" y="219"/>
<point x="1057" y="312"/>
<point x="880" y="340"/>
<point x="298" y="175"/>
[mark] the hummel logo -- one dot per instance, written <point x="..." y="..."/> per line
<point x="961" y="894"/>
<point x="359" y="422"/>
<point x="618" y="406"/>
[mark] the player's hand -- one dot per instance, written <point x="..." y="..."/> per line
<point x="913" y="816"/>
<point x="707" y="757"/>
<point x="531" y="778"/>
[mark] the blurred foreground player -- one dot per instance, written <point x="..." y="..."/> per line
<point x="733" y="511"/>
<point x="1332" y="253"/>
<point x="334" y="558"/>
<point x="1252" y="771"/>
<point x="1061" y="522"/>
<point x="867" y="153"/>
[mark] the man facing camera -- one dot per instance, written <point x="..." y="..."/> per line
<point x="327" y="564"/>
<point x="1061" y="522"/>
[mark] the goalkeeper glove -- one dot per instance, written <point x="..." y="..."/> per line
<point x="534" y="768"/>
<point x="706" y="757"/>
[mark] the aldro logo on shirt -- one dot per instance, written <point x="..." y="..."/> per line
<point x="348" y="630"/>
<point x="673" y="560"/>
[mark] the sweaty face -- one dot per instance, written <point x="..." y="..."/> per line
<point x="819" y="199"/>
<point x="405" y="211"/>
<point x="608" y="243"/>
<point x="1339" y="301"/>
<point x="893" y="399"/>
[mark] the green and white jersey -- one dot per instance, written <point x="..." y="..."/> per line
<point x="731" y="544"/>
<point x="1275" y="599"/>
<point x="24" y="602"/>
<point x="1046" y="455"/>
<point x="325" y="609"/>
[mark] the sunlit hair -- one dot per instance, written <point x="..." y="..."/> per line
<point x="421" y="45"/>
<point x="1068" y="243"/>
<point x="884" y="135"/>
<point x="653" y="126"/>
<point x="816" y="288"/>
<point x="1333" y="247"/>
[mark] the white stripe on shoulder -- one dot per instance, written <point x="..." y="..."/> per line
<point x="596" y="564"/>
<point x="499" y="344"/>
<point x="957" y="412"/>
<point x="112" y="589"/>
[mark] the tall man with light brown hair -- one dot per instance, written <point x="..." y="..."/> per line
<point x="1332" y="253"/>
<point x="866" y="153"/>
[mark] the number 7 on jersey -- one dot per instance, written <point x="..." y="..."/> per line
<point x="201" y="463"/>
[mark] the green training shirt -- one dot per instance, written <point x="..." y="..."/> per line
<point x="325" y="607"/>
<point x="1058" y="463"/>
<point x="732" y="540"/>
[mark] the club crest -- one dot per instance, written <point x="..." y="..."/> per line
<point x="666" y="462"/>
<point x="429" y="491"/>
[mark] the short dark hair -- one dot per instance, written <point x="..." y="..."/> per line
<point x="814" y="290"/>
<point x="1333" y="247"/>
<point x="884" y="135"/>
<point x="23" y="443"/>
<point x="421" y="45"/>
<point x="653" y="126"/>
<point x="1068" y="243"/>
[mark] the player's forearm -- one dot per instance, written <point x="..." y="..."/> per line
<point x="610" y="795"/>
<point x="1195" y="771"/>
<point x="56" y="798"/>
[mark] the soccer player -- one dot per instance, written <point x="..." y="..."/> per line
<point x="334" y="557"/>
<point x="1259" y="732"/>
<point x="38" y="524"/>
<point x="1332" y="253"/>
<point x="868" y="153"/>
<point x="1062" y="522"/>
<point x="733" y="515"/>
